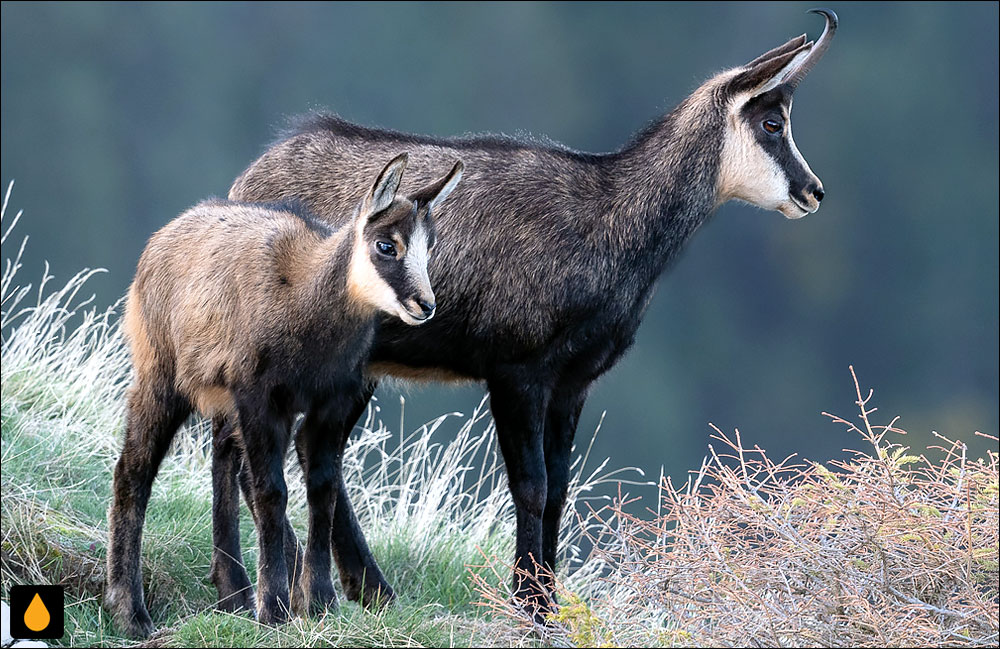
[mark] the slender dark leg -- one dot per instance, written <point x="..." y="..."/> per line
<point x="265" y="440"/>
<point x="360" y="575"/>
<point x="320" y="460"/>
<point x="560" y="427"/>
<point x="228" y="572"/>
<point x="293" y="551"/>
<point x="154" y="414"/>
<point x="519" y="412"/>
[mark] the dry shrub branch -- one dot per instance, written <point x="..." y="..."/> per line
<point x="884" y="548"/>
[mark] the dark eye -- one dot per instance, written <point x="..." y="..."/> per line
<point x="771" y="125"/>
<point x="385" y="248"/>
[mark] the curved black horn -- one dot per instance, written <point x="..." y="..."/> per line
<point x="821" y="46"/>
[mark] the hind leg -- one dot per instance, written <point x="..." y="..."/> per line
<point x="154" y="413"/>
<point x="228" y="572"/>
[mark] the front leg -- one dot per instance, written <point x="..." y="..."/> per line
<point x="360" y="575"/>
<point x="293" y="552"/>
<point x="519" y="402"/>
<point x="319" y="454"/>
<point x="265" y="438"/>
<point x="560" y="427"/>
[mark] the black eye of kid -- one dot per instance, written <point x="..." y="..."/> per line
<point x="771" y="125"/>
<point x="385" y="248"/>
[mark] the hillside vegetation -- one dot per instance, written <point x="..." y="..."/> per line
<point x="890" y="546"/>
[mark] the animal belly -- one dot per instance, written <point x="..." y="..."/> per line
<point x="429" y="352"/>
<point x="383" y="369"/>
<point x="212" y="401"/>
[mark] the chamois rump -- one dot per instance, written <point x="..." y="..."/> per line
<point x="548" y="260"/>
<point x="254" y="313"/>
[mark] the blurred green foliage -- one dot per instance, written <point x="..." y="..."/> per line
<point x="115" y="117"/>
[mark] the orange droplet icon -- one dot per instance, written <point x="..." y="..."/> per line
<point x="36" y="617"/>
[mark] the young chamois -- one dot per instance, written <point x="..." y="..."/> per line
<point x="256" y="313"/>
<point x="548" y="260"/>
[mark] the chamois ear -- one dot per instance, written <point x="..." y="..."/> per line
<point x="437" y="191"/>
<point x="383" y="192"/>
<point x="793" y="44"/>
<point x="771" y="72"/>
<point x="786" y="65"/>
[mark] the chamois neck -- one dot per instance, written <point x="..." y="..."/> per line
<point x="666" y="179"/>
<point x="330" y="266"/>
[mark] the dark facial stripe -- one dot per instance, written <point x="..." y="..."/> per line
<point x="775" y="105"/>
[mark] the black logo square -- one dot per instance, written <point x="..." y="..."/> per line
<point x="36" y="612"/>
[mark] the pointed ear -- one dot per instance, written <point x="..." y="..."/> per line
<point x="437" y="191"/>
<point x="793" y="44"/>
<point x="383" y="192"/>
<point x="766" y="74"/>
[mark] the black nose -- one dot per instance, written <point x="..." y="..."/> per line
<point x="427" y="308"/>
<point x="818" y="193"/>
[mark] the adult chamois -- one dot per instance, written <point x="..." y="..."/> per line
<point x="548" y="260"/>
<point x="254" y="313"/>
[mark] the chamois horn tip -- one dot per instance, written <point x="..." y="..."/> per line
<point x="829" y="14"/>
<point x="816" y="52"/>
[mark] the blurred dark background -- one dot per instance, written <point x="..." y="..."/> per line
<point x="116" y="117"/>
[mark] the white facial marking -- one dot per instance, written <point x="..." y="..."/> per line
<point x="415" y="263"/>
<point x="367" y="287"/>
<point x="747" y="172"/>
<point x="416" y="258"/>
<point x="364" y="284"/>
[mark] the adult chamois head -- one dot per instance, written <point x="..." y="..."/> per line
<point x="548" y="260"/>
<point x="760" y="162"/>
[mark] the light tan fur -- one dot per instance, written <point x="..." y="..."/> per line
<point x="198" y="312"/>
<point x="364" y="284"/>
<point x="143" y="354"/>
<point x="382" y="370"/>
<point x="213" y="401"/>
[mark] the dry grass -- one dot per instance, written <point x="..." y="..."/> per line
<point x="884" y="548"/>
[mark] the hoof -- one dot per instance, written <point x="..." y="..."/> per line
<point x="140" y="626"/>
<point x="236" y="602"/>
<point x="374" y="595"/>
<point x="234" y="589"/>
<point x="376" y="599"/>
<point x="136" y="622"/>
<point x="128" y="612"/>
<point x="323" y="598"/>
<point x="538" y="607"/>
<point x="273" y="609"/>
